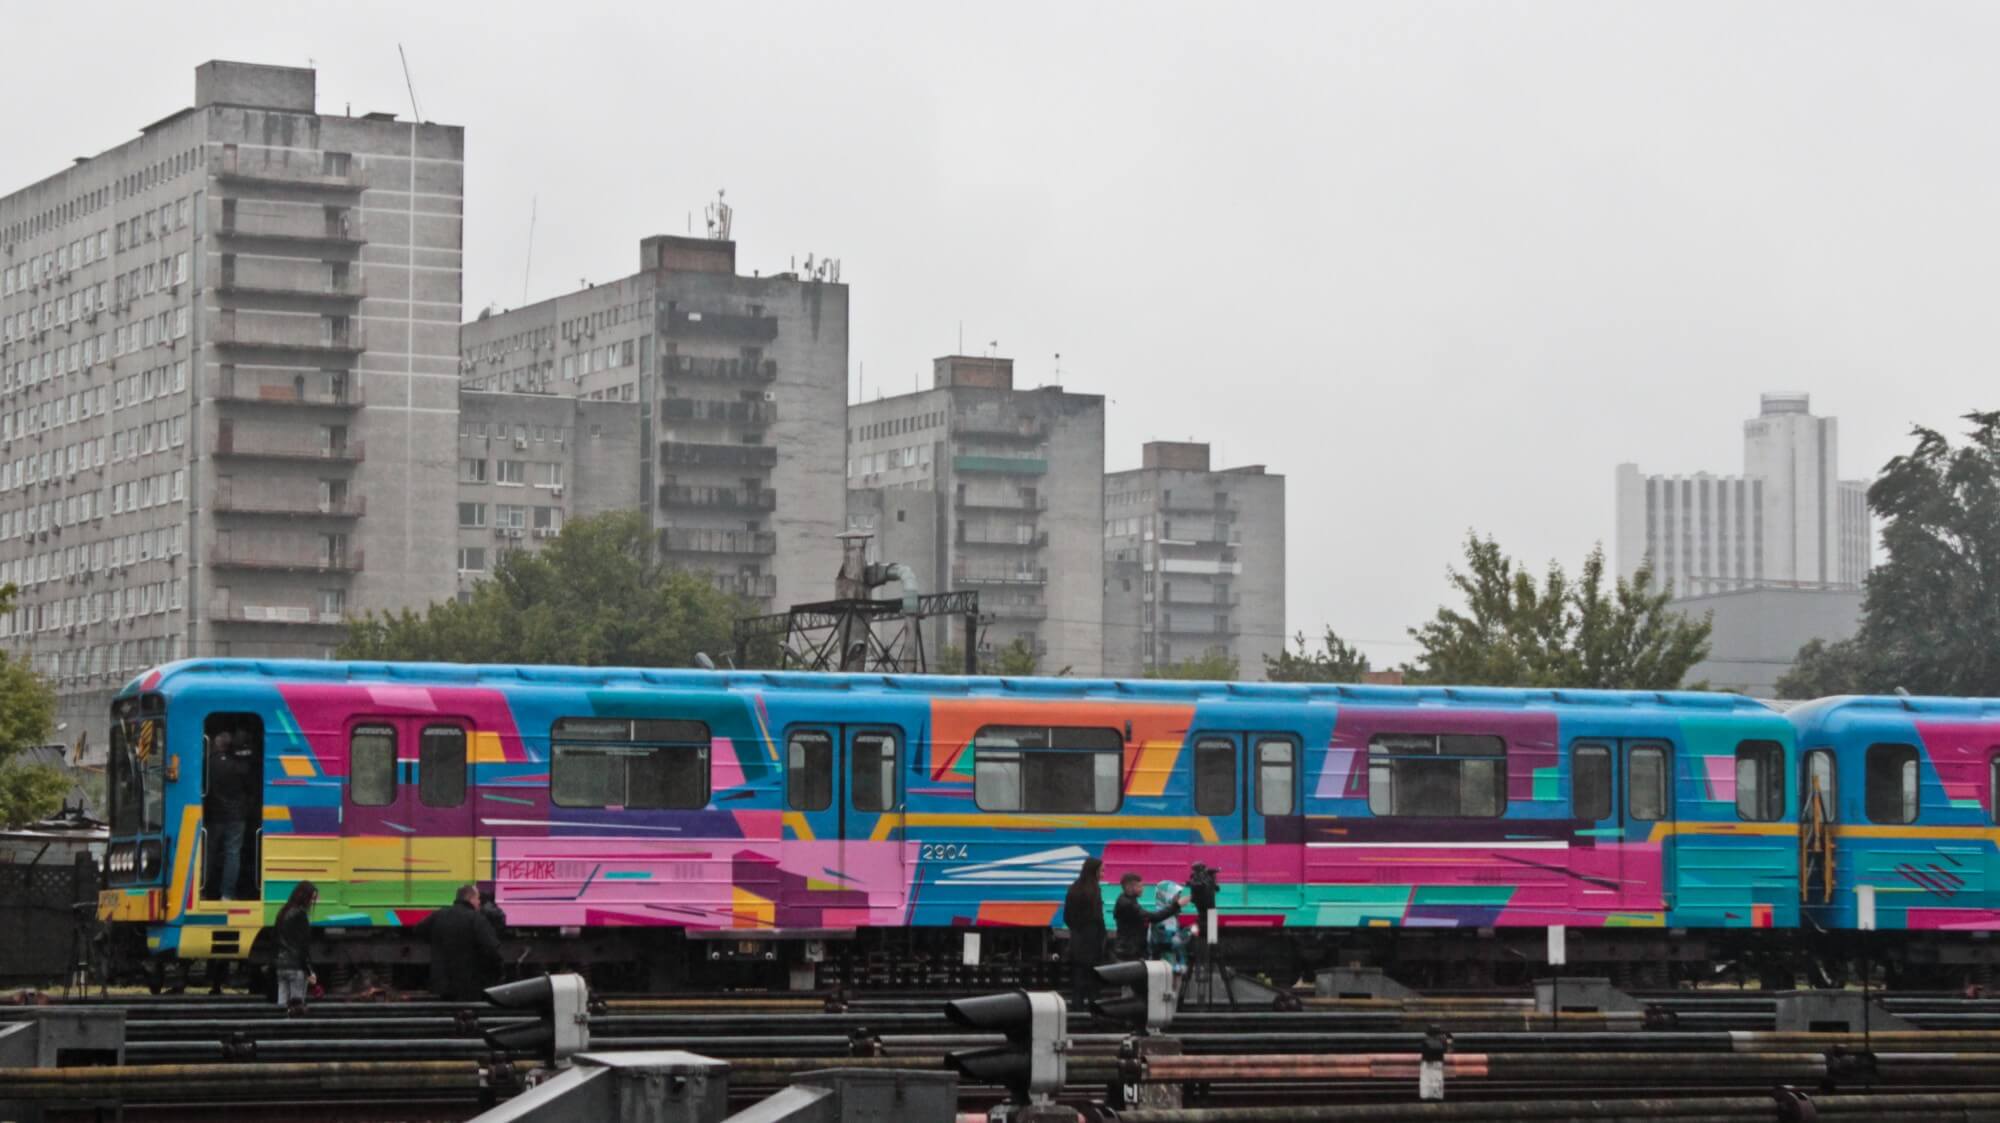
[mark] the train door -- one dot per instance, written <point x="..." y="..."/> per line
<point x="1218" y="771"/>
<point x="442" y="853"/>
<point x="1819" y="827"/>
<point x="841" y="783"/>
<point x="407" y="823"/>
<point x="232" y="798"/>
<point x="1647" y="860"/>
<point x="1273" y="837"/>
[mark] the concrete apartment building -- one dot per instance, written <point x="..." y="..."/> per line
<point x="228" y="384"/>
<point x="739" y="385"/>
<point x="1194" y="562"/>
<point x="1017" y="480"/>
<point x="1788" y="520"/>
<point x="528" y="463"/>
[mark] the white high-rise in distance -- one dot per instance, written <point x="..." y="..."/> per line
<point x="1788" y="521"/>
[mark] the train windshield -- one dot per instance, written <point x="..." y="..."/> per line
<point x="137" y="785"/>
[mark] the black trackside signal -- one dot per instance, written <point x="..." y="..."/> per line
<point x="1032" y="1062"/>
<point x="1147" y="1004"/>
<point x="561" y="1005"/>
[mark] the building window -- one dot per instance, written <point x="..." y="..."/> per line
<point x="472" y="559"/>
<point x="641" y="764"/>
<point x="1894" y="789"/>
<point x="471" y="516"/>
<point x="1039" y="768"/>
<point x="548" y="475"/>
<point x="513" y="472"/>
<point x="510" y="516"/>
<point x="1432" y="775"/>
<point x="472" y="470"/>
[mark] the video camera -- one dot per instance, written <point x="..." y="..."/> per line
<point x="1201" y="887"/>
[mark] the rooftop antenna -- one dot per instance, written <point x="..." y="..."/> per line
<point x="990" y="345"/>
<point x="528" y="267"/>
<point x="411" y="84"/>
<point x="721" y="217"/>
<point x="1059" y="368"/>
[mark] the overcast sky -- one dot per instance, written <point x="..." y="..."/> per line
<point x="1444" y="266"/>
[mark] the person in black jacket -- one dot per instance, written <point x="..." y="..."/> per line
<point x="232" y="796"/>
<point x="1083" y="915"/>
<point x="465" y="952"/>
<point x="1134" y="919"/>
<point x="294" y="958"/>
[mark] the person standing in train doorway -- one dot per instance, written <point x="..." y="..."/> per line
<point x="229" y="802"/>
<point x="1083" y="915"/>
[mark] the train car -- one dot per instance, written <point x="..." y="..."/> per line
<point x="1898" y="795"/>
<point x="638" y="822"/>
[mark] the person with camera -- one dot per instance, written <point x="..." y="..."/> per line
<point x="1135" y="920"/>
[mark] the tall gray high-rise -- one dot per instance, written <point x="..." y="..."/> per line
<point x="1194" y="562"/>
<point x="1017" y="479"/>
<point x="228" y="384"/>
<point x="1789" y="520"/>
<point x="740" y="386"/>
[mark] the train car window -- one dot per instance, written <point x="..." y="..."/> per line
<point x="1056" y="769"/>
<point x="371" y="766"/>
<point x="1820" y="778"/>
<point x="871" y="770"/>
<point x="1590" y="782"/>
<point x="1647" y="794"/>
<point x="1277" y="759"/>
<point x="1893" y="794"/>
<point x="1760" y="781"/>
<point x="1432" y="775"/>
<point x="646" y="764"/>
<point x="441" y="766"/>
<point x="1215" y="776"/>
<point x="809" y="770"/>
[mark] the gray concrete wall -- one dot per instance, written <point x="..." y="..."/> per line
<point x="1758" y="632"/>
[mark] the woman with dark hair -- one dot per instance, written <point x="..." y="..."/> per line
<point x="294" y="961"/>
<point x="1083" y="915"/>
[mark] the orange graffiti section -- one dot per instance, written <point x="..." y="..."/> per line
<point x="1157" y="731"/>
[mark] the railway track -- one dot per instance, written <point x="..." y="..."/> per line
<point x="1687" y="1056"/>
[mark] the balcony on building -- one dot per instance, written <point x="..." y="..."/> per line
<point x="1185" y="533"/>
<point x="333" y="227"/>
<point x="330" y="173"/>
<point x="976" y="500"/>
<point x="1222" y="508"/>
<point x="287" y="507"/>
<point x="703" y="540"/>
<point x="1035" y="540"/>
<point x="1002" y="610"/>
<point x="994" y="427"/>
<point x="695" y="454"/>
<point x="1002" y="465"/>
<point x="262" y="444"/>
<point x="964" y="573"/>
<point x="719" y="498"/>
<point x="1173" y="626"/>
<point x="1214" y="567"/>
<point x="312" y="284"/>
<point x="289" y="614"/>
<point x="718" y="370"/>
<point x="273" y="559"/>
<point x="759" y="586"/>
<point x="325" y="390"/>
<point x="684" y="323"/>
<point x="1200" y="596"/>
<point x="722" y="411"/>
<point x="260" y="335"/>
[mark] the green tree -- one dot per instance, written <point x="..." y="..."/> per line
<point x="1516" y="630"/>
<point x="1213" y="667"/>
<point x="1930" y="617"/>
<point x="1016" y="660"/>
<point x="1335" y="661"/>
<point x="594" y="596"/>
<point x="27" y="715"/>
<point x="1824" y="669"/>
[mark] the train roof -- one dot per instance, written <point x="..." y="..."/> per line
<point x="172" y="677"/>
<point x="1901" y="706"/>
